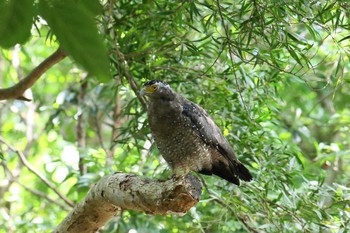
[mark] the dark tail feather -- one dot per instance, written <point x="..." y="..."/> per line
<point x="222" y="170"/>
<point x="242" y="172"/>
<point x="231" y="173"/>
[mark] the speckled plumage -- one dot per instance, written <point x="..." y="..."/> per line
<point x="187" y="138"/>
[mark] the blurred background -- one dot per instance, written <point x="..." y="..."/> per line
<point x="273" y="75"/>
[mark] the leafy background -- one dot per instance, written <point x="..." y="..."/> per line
<point x="273" y="75"/>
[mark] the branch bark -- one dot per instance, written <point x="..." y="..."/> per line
<point x="122" y="191"/>
<point x="16" y="91"/>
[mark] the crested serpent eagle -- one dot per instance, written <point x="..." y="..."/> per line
<point x="187" y="138"/>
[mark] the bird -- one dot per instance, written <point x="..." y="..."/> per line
<point x="187" y="138"/>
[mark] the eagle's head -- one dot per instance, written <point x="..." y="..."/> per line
<point x="158" y="89"/>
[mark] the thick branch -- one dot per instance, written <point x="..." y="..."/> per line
<point x="16" y="91"/>
<point x="122" y="191"/>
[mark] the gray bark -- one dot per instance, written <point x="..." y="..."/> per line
<point x="122" y="191"/>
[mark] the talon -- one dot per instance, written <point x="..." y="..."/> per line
<point x="173" y="177"/>
<point x="176" y="177"/>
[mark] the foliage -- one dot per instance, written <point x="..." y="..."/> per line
<point x="273" y="75"/>
<point x="65" y="18"/>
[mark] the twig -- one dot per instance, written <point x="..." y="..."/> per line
<point x="251" y="229"/>
<point x="12" y="179"/>
<point x="81" y="133"/>
<point x="42" y="195"/>
<point x="9" y="177"/>
<point x="16" y="91"/>
<point x="124" y="69"/>
<point x="98" y="130"/>
<point x="230" y="51"/>
<point x="117" y="122"/>
<point x="217" y="200"/>
<point x="215" y="61"/>
<point x="34" y="171"/>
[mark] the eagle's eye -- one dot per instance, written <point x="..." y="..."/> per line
<point x="151" y="88"/>
<point x="154" y="87"/>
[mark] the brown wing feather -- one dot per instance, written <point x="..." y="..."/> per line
<point x="228" y="167"/>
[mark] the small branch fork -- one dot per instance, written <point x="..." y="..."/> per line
<point x="35" y="172"/>
<point x="16" y="91"/>
<point x="13" y="178"/>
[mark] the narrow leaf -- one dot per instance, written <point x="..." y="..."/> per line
<point x="344" y="38"/>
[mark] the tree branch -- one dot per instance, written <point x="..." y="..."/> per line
<point x="16" y="91"/>
<point x="42" y="195"/>
<point x="229" y="208"/>
<point x="34" y="171"/>
<point x="80" y="128"/>
<point x="122" y="191"/>
<point x="122" y="66"/>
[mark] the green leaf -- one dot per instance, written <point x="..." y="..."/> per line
<point x="74" y="25"/>
<point x="295" y="39"/>
<point x="93" y="6"/>
<point x="294" y="55"/>
<point x="16" y="18"/>
<point x="344" y="38"/>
